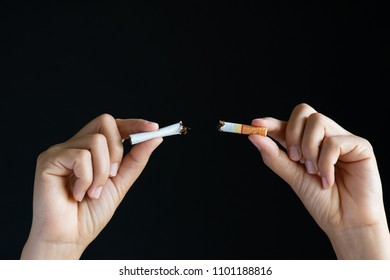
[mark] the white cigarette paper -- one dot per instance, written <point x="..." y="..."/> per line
<point x="169" y="130"/>
<point x="241" y="128"/>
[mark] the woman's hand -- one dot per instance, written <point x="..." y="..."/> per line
<point x="335" y="174"/>
<point x="80" y="183"/>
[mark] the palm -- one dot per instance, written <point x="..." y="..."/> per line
<point x="343" y="205"/>
<point x="80" y="222"/>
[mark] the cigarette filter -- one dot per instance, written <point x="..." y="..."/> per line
<point x="241" y="128"/>
<point x="173" y="129"/>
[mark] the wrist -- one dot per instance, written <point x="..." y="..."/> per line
<point x="371" y="242"/>
<point x="48" y="250"/>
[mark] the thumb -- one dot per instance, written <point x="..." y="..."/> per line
<point x="133" y="164"/>
<point x="278" y="161"/>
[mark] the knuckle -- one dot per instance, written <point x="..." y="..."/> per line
<point x="106" y="119"/>
<point x="302" y="107"/>
<point x="84" y="155"/>
<point x="316" y="118"/>
<point x="98" y="140"/>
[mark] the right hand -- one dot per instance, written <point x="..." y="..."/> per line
<point x="335" y="174"/>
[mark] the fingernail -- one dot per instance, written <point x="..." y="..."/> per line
<point x="80" y="196"/>
<point x="98" y="191"/>
<point x="114" y="169"/>
<point x="154" y="124"/>
<point x="324" y="182"/>
<point x="294" y="153"/>
<point x="310" y="167"/>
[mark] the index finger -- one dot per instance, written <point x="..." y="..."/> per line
<point x="115" y="131"/>
<point x="131" y="126"/>
<point x="125" y="127"/>
<point x="275" y="128"/>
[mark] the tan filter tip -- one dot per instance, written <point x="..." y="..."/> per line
<point x="249" y="129"/>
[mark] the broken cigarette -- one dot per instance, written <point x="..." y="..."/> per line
<point x="174" y="129"/>
<point x="241" y="128"/>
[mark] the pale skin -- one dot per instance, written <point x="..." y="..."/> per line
<point x="80" y="183"/>
<point x="335" y="174"/>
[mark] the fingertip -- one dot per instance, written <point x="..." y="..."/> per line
<point x="263" y="144"/>
<point x="254" y="121"/>
<point x="78" y="190"/>
<point x="79" y="196"/>
<point x="152" y="125"/>
<point x="254" y="139"/>
<point x="114" y="169"/>
<point x="94" y="193"/>
<point x="157" y="142"/>
<point x="324" y="181"/>
<point x="326" y="172"/>
<point x="294" y="153"/>
<point x="258" y="122"/>
<point x="98" y="192"/>
<point x="143" y="150"/>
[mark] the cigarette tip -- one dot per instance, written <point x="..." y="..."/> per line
<point x="184" y="129"/>
<point x="220" y="124"/>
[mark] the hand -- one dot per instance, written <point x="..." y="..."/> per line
<point x="80" y="183"/>
<point x="335" y="174"/>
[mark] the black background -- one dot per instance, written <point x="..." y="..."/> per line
<point x="206" y="195"/>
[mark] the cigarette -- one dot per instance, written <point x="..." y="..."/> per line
<point x="174" y="129"/>
<point x="241" y="128"/>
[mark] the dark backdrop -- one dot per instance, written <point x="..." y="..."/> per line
<point x="206" y="195"/>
